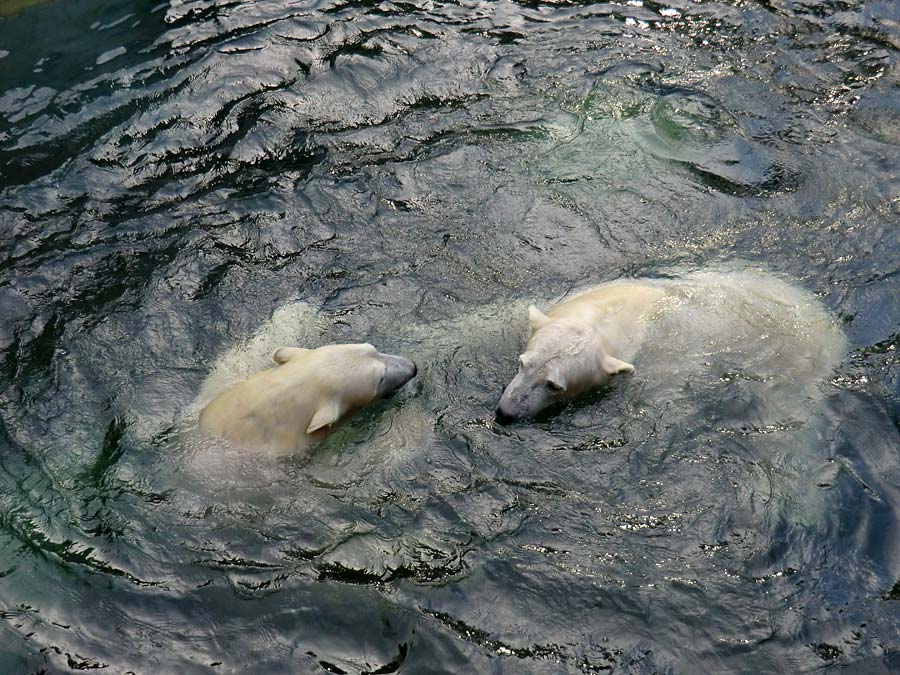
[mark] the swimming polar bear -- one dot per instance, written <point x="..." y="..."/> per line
<point x="295" y="404"/>
<point x="773" y="331"/>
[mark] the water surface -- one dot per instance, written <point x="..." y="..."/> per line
<point x="171" y="174"/>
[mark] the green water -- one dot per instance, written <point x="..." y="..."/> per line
<point x="172" y="175"/>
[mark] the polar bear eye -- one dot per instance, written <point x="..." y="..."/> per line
<point x="554" y="386"/>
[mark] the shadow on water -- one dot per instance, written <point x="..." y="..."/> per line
<point x="183" y="180"/>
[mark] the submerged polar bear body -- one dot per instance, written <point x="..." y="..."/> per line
<point x="293" y="405"/>
<point x="769" y="330"/>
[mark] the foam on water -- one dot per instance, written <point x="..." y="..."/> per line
<point x="295" y="324"/>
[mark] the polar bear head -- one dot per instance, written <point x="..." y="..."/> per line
<point x="308" y="392"/>
<point x="563" y="359"/>
<point x="344" y="377"/>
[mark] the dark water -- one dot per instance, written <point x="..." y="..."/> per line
<point x="172" y="173"/>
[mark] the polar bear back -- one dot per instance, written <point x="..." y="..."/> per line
<point x="625" y="302"/>
<point x="619" y="309"/>
<point x="266" y="411"/>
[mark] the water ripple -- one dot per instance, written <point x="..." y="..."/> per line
<point x="174" y="175"/>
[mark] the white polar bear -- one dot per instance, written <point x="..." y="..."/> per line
<point x="295" y="404"/>
<point x="770" y="329"/>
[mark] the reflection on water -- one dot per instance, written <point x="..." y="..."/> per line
<point x="175" y="176"/>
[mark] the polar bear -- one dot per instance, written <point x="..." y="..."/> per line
<point x="771" y="331"/>
<point x="575" y="347"/>
<point x="295" y="404"/>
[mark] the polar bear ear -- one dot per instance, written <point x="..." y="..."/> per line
<point x="327" y="415"/>
<point x="285" y="354"/>
<point x="612" y="365"/>
<point x="537" y="318"/>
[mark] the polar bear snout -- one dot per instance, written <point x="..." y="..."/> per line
<point x="398" y="370"/>
<point x="502" y="416"/>
<point x="527" y="395"/>
<point x="518" y="404"/>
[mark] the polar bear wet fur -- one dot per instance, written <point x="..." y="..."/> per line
<point x="295" y="404"/>
<point x="575" y="347"/>
<point x="765" y="325"/>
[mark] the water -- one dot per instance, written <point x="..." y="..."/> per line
<point x="173" y="175"/>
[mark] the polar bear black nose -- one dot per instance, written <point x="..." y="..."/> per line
<point x="398" y="370"/>
<point x="503" y="417"/>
